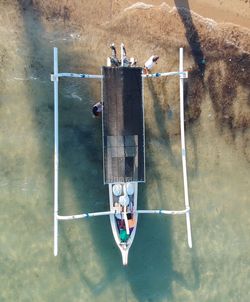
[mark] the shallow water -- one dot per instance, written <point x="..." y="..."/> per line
<point x="88" y="267"/>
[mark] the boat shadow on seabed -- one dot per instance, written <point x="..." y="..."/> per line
<point x="151" y="268"/>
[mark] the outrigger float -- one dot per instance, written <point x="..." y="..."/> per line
<point x="123" y="139"/>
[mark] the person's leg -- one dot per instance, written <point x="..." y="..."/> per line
<point x="113" y="49"/>
<point x="124" y="57"/>
<point x="114" y="61"/>
<point x="124" y="51"/>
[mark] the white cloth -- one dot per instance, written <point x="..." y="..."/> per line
<point x="150" y="63"/>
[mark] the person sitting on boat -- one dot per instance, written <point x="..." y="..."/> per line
<point x="124" y="56"/>
<point x="127" y="62"/>
<point x="114" y="62"/>
<point x="150" y="63"/>
<point x="97" y="109"/>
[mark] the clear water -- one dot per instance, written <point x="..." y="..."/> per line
<point x="88" y="267"/>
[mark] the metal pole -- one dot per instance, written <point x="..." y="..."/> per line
<point x="126" y="220"/>
<point x="170" y="212"/>
<point x="183" y="149"/>
<point x="85" y="215"/>
<point x="56" y="151"/>
<point x="164" y="74"/>
<point x="79" y="75"/>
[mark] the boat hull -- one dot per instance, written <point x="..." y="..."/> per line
<point x="118" y="223"/>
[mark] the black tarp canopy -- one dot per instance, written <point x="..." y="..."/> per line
<point x="123" y="125"/>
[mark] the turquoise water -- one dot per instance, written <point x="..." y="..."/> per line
<point x="88" y="267"/>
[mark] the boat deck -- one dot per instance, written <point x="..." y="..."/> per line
<point x="123" y="125"/>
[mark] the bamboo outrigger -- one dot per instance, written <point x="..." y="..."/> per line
<point x="123" y="149"/>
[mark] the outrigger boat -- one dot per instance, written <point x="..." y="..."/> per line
<point x="123" y="138"/>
